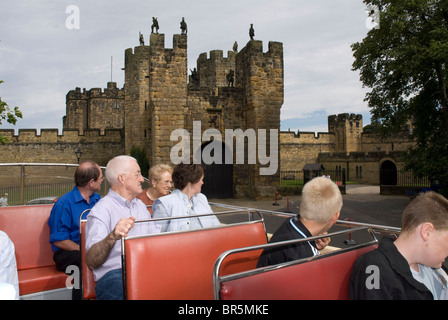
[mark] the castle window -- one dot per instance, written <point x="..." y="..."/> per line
<point x="117" y="105"/>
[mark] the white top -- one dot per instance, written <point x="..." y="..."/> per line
<point x="9" y="280"/>
<point x="434" y="279"/>
<point x="102" y="220"/>
<point x="177" y="204"/>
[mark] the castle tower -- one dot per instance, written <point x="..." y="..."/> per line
<point x="137" y="115"/>
<point x="156" y="93"/>
<point x="262" y="77"/>
<point x="167" y="94"/>
<point x="212" y="72"/>
<point x="348" y="131"/>
<point x="95" y="109"/>
<point x="159" y="100"/>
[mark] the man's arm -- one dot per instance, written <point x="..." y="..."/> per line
<point x="99" y="252"/>
<point x="67" y="245"/>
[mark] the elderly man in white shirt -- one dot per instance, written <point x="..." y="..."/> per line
<point x="111" y="219"/>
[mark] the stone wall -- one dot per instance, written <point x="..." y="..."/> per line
<point x="301" y="148"/>
<point x="50" y="147"/>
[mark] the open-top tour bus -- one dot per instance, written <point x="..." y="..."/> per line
<point x="213" y="263"/>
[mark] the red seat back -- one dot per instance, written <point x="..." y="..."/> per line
<point x="88" y="283"/>
<point x="28" y="229"/>
<point x="178" y="266"/>
<point x="325" y="278"/>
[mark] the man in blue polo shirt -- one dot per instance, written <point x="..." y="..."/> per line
<point x="64" y="217"/>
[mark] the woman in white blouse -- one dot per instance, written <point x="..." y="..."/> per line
<point x="185" y="200"/>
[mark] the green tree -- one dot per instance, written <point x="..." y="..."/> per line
<point x="8" y="114"/>
<point x="404" y="61"/>
<point x="140" y="155"/>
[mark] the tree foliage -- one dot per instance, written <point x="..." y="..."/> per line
<point x="8" y="114"/>
<point x="404" y="62"/>
<point x="140" y="155"/>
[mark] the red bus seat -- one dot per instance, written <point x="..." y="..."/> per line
<point x="88" y="283"/>
<point x="325" y="278"/>
<point x="27" y="228"/>
<point x="178" y="266"/>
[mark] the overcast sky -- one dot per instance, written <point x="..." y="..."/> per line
<point x="41" y="59"/>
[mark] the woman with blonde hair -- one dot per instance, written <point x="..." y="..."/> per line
<point x="160" y="185"/>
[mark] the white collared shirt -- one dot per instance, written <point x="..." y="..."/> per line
<point x="177" y="204"/>
<point x="9" y="279"/>
<point x="102" y="220"/>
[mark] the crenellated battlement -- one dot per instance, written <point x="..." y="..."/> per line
<point x="111" y="92"/>
<point x="342" y="119"/>
<point x="212" y="71"/>
<point x="67" y="136"/>
<point x="301" y="137"/>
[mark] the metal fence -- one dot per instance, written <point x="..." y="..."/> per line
<point x="402" y="178"/>
<point x="297" y="178"/>
<point x="23" y="182"/>
<point x="294" y="178"/>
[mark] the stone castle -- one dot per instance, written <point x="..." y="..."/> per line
<point x="244" y="90"/>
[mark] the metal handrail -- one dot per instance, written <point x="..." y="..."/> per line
<point x="217" y="279"/>
<point x="261" y="219"/>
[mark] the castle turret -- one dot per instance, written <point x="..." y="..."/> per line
<point x="347" y="129"/>
<point x="262" y="77"/>
<point x="95" y="109"/>
<point x="167" y="94"/>
<point x="137" y="98"/>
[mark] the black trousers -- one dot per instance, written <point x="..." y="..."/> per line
<point x="63" y="259"/>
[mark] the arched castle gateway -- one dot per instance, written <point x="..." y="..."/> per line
<point x="167" y="110"/>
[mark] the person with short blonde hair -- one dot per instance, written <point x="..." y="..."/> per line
<point x="321" y="199"/>
<point x="410" y="267"/>
<point x="160" y="185"/>
<point x="319" y="210"/>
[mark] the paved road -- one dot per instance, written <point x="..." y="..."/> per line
<point x="361" y="204"/>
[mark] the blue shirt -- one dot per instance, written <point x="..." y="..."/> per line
<point x="64" y="216"/>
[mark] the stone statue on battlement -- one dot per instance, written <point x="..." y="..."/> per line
<point x="194" y="76"/>
<point x="183" y="26"/>
<point x="235" y="47"/>
<point x="251" y="31"/>
<point x="230" y="78"/>
<point x="141" y="39"/>
<point x="155" y="25"/>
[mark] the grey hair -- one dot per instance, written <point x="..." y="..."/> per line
<point x="116" y="166"/>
